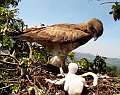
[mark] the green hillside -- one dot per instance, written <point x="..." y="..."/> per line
<point x="90" y="57"/>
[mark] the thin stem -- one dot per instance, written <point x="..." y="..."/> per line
<point x="108" y="2"/>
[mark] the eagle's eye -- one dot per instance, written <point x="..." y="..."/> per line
<point x="86" y="31"/>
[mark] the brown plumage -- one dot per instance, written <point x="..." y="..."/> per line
<point x="60" y="39"/>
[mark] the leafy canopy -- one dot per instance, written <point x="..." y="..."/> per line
<point x="116" y="11"/>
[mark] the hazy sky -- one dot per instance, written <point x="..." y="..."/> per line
<point x="50" y="12"/>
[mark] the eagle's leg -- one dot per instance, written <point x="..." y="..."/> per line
<point x="63" y="69"/>
<point x="57" y="61"/>
<point x="59" y="54"/>
<point x="61" y="72"/>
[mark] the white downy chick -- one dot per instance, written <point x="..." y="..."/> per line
<point x="73" y="83"/>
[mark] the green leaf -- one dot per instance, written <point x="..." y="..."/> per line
<point x="5" y="40"/>
<point x="5" y="28"/>
<point x="15" y="87"/>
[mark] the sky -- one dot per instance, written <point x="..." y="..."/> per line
<point x="50" y="12"/>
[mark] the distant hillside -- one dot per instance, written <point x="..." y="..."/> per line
<point x="90" y="57"/>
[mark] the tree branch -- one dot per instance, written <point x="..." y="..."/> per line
<point x="6" y="86"/>
<point x="17" y="19"/>
<point x="9" y="63"/>
<point x="30" y="48"/>
<point x="7" y="69"/>
<point x="4" y="54"/>
<point x="10" y="82"/>
<point x="108" y="2"/>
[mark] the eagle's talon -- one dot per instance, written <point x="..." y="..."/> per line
<point x="61" y="75"/>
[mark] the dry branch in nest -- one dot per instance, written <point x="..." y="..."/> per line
<point x="36" y="84"/>
<point x="33" y="82"/>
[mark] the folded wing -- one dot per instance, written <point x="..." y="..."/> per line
<point x="59" y="33"/>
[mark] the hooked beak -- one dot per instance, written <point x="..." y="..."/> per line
<point x="95" y="37"/>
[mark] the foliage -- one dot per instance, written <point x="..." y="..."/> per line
<point x="99" y="64"/>
<point x="116" y="11"/>
<point x="85" y="64"/>
<point x="7" y="74"/>
<point x="39" y="53"/>
<point x="8" y="3"/>
<point x="118" y="72"/>
<point x="111" y="71"/>
<point x="8" y="24"/>
<point x="71" y="56"/>
<point x="15" y="64"/>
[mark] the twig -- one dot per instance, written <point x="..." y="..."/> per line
<point x="7" y="69"/>
<point x="109" y="2"/>
<point x="38" y="83"/>
<point x="6" y="86"/>
<point x="13" y="82"/>
<point x="31" y="81"/>
<point x="30" y="48"/>
<point x="17" y="19"/>
<point x="9" y="63"/>
<point x="4" y="54"/>
<point x="97" y="90"/>
<point x="13" y="53"/>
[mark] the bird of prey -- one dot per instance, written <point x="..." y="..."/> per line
<point x="60" y="39"/>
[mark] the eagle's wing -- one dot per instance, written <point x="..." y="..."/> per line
<point x="56" y="33"/>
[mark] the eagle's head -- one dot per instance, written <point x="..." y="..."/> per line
<point x="95" y="27"/>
